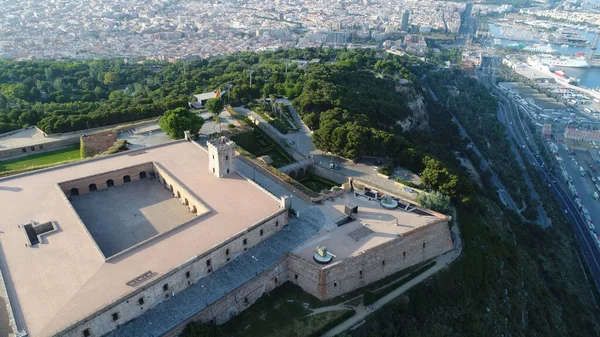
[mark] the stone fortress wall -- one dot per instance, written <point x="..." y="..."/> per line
<point x="162" y="287"/>
<point x="152" y="289"/>
<point x="414" y="247"/>
<point x="30" y="149"/>
<point x="324" y="282"/>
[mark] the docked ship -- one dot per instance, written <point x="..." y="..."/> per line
<point x="564" y="61"/>
<point x="569" y="37"/>
<point x="540" y="48"/>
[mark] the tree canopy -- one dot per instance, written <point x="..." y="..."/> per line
<point x="176" y="121"/>
<point x="215" y="106"/>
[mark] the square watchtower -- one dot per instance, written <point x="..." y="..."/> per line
<point x="221" y="157"/>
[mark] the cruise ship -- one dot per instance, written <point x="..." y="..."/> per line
<point x="564" y="61"/>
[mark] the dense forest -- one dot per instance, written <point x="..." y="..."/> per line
<point x="512" y="279"/>
<point x="62" y="96"/>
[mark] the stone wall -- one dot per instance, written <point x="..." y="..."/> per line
<point x="53" y="145"/>
<point x="272" y="132"/>
<point x="179" y="190"/>
<point x="240" y="299"/>
<point x="102" y="181"/>
<point x="298" y="193"/>
<point x="334" y="280"/>
<point x="328" y="174"/>
<point x="97" y="143"/>
<point x="416" y="246"/>
<point x="161" y="287"/>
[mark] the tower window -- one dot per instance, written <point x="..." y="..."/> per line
<point x="295" y="276"/>
<point x="227" y="251"/>
<point x="383" y="263"/>
<point x="86" y="333"/>
<point x="226" y="157"/>
<point x="227" y="170"/>
<point x="141" y="301"/>
<point x="166" y="287"/>
<point x="334" y="284"/>
<point x="187" y="274"/>
<point x="208" y="263"/>
<point x="246" y="301"/>
<point x="276" y="223"/>
<point x="261" y="232"/>
<point x="404" y="254"/>
<point x="245" y="241"/>
<point x="115" y="316"/>
<point x="423" y="244"/>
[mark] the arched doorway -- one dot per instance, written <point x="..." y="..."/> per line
<point x="178" y="195"/>
<point x="186" y="202"/>
<point x="74" y="191"/>
<point x="126" y="179"/>
<point x="171" y="188"/>
<point x="92" y="187"/>
<point x="194" y="209"/>
<point x="110" y="183"/>
<point x="143" y="175"/>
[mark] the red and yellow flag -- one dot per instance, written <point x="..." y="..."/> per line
<point x="218" y="93"/>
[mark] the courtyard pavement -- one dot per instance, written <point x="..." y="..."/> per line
<point x="120" y="217"/>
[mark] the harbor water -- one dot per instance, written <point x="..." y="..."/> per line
<point x="588" y="77"/>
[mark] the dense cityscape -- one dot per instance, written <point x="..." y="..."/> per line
<point x="299" y="168"/>
<point x="195" y="29"/>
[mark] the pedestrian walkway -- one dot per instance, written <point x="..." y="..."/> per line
<point x="363" y="311"/>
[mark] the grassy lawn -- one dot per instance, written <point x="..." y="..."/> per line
<point x="41" y="159"/>
<point x="259" y="144"/>
<point x="281" y="313"/>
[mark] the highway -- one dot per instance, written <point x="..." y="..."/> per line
<point x="519" y="131"/>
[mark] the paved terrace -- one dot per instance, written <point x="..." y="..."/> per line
<point x="374" y="225"/>
<point x="65" y="278"/>
<point x="31" y="136"/>
<point x="211" y="288"/>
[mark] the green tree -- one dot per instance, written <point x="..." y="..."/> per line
<point x="198" y="329"/>
<point x="215" y="106"/>
<point x="176" y="121"/>
<point x="435" y="201"/>
<point x="111" y="79"/>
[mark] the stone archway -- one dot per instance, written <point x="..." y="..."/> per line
<point x="171" y="188"/>
<point x="178" y="195"/>
<point x="92" y="187"/>
<point x="194" y="209"/>
<point x="110" y="183"/>
<point x="187" y="203"/>
<point x="143" y="175"/>
<point x="126" y="179"/>
<point x="74" y="191"/>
